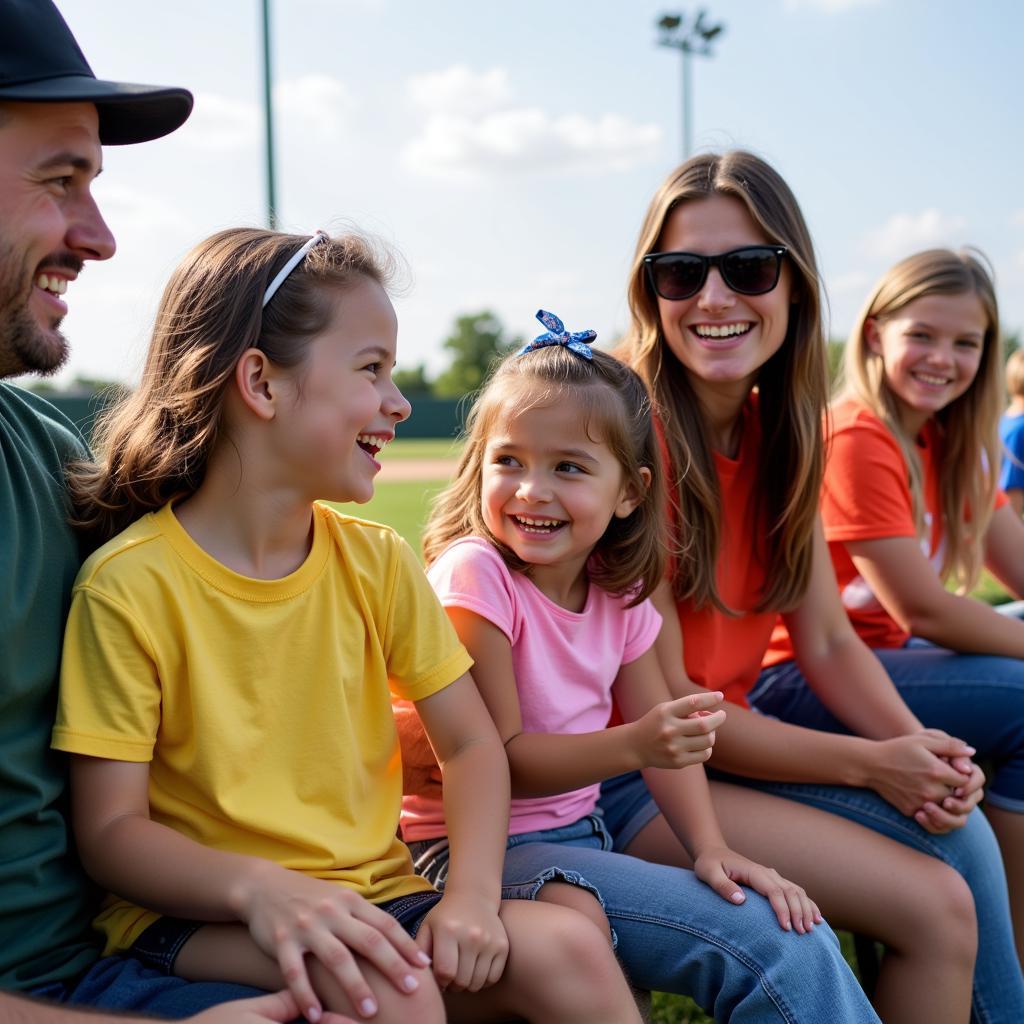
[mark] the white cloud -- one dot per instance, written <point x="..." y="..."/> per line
<point x="128" y="210"/>
<point x="829" y="6"/>
<point x="1017" y="218"/>
<point x="317" y="105"/>
<point x="221" y="124"/>
<point x="855" y="281"/>
<point x="458" y="90"/>
<point x="473" y="129"/>
<point x="905" y="233"/>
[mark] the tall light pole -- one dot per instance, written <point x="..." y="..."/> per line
<point x="692" y="38"/>
<point x="268" y="118"/>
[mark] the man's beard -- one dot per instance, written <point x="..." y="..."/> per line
<point x="25" y="347"/>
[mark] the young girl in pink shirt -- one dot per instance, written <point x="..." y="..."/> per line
<point x="544" y="552"/>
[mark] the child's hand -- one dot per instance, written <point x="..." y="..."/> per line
<point x="467" y="942"/>
<point x="722" y="868"/>
<point x="678" y="732"/>
<point x="290" y="915"/>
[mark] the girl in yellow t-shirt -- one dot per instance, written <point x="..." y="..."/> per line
<point x="230" y="657"/>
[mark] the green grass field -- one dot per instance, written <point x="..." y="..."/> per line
<point x="402" y="505"/>
<point x="422" y="448"/>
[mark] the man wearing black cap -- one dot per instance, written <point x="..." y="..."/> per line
<point x="54" y="117"/>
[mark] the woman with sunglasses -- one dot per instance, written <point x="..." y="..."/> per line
<point x="727" y="333"/>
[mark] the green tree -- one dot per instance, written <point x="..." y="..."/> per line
<point x="414" y="381"/>
<point x="476" y="342"/>
<point x="76" y="386"/>
<point x="836" y="346"/>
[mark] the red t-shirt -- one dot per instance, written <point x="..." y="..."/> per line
<point x="866" y="496"/>
<point x="723" y="652"/>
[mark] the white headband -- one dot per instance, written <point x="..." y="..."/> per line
<point x="296" y="259"/>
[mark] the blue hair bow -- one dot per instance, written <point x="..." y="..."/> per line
<point x="556" y="334"/>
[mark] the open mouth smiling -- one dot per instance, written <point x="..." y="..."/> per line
<point x="372" y="443"/>
<point x="713" y="331"/>
<point x="931" y="380"/>
<point x="530" y="524"/>
<point x="51" y="283"/>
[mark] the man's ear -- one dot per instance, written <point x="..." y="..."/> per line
<point x="256" y="383"/>
<point x="631" y="496"/>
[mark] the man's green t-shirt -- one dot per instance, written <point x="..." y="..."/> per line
<point x="46" y="903"/>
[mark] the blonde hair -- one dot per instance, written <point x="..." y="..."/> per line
<point x="969" y="425"/>
<point x="792" y="387"/>
<point x="1015" y="373"/>
<point x="614" y="407"/>
<point x="155" y="442"/>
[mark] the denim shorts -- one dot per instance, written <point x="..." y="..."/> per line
<point x="159" y="945"/>
<point x="430" y="858"/>
<point x="626" y="808"/>
<point x="121" y="984"/>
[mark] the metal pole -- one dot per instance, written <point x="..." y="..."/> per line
<point x="689" y="36"/>
<point x="687" y="106"/>
<point x="268" y="119"/>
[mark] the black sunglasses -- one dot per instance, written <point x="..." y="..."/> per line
<point x="749" y="270"/>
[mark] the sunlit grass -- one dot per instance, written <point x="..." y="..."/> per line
<point x="422" y="448"/>
<point x="402" y="505"/>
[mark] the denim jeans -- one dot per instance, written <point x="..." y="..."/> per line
<point x="674" y="934"/>
<point x="122" y="983"/>
<point x="979" y="699"/>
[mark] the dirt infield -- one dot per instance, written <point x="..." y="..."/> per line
<point x="415" y="469"/>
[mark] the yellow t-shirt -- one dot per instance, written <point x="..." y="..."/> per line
<point x="263" y="706"/>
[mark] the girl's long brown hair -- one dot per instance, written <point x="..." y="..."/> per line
<point x="971" y="450"/>
<point x="614" y="407"/>
<point x="792" y="387"/>
<point x="155" y="443"/>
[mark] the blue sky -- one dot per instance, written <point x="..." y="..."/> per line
<point x="508" y="151"/>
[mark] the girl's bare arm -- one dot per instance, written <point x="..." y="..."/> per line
<point x="908" y="587"/>
<point x="1004" y="544"/>
<point x="908" y="771"/>
<point x="543" y="764"/>
<point x="464" y="933"/>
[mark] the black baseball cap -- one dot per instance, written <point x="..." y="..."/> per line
<point x="40" y="62"/>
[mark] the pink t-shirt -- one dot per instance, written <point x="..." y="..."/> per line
<point x="565" y="663"/>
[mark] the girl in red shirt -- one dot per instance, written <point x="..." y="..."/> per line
<point x="912" y="513"/>
<point x="727" y="333"/>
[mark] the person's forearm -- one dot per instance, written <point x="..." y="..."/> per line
<point x="543" y="764"/>
<point x="683" y="797"/>
<point x="476" y="795"/>
<point x="157" y="867"/>
<point x="851" y="682"/>
<point x="968" y="625"/>
<point x="764" y="748"/>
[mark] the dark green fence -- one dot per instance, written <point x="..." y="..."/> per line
<point x="431" y="417"/>
<point x="80" y="409"/>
